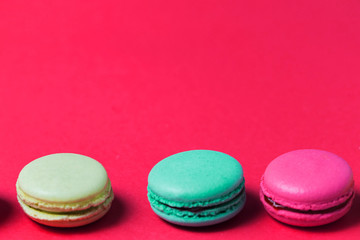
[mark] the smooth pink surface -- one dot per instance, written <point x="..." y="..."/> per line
<point x="132" y="82"/>
<point x="308" y="178"/>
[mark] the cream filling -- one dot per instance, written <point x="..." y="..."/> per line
<point x="89" y="202"/>
<point x="67" y="216"/>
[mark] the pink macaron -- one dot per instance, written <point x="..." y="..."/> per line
<point x="307" y="188"/>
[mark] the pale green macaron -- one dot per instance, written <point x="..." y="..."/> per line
<point x="197" y="188"/>
<point x="64" y="190"/>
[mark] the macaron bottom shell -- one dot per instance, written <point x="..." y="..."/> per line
<point x="207" y="217"/>
<point x="68" y="219"/>
<point x="305" y="219"/>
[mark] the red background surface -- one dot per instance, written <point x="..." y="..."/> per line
<point x="130" y="83"/>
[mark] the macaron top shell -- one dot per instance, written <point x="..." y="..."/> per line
<point x="195" y="176"/>
<point x="307" y="176"/>
<point x="63" y="177"/>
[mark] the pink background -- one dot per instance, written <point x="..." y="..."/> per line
<point x="132" y="82"/>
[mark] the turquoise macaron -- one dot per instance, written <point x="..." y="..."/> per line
<point x="197" y="188"/>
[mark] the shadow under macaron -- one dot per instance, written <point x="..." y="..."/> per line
<point x="248" y="214"/>
<point x="6" y="210"/>
<point x="117" y="214"/>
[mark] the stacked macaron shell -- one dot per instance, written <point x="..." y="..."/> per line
<point x="307" y="188"/>
<point x="197" y="188"/>
<point x="64" y="190"/>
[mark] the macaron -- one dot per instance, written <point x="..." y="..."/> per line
<point x="307" y="187"/>
<point x="197" y="188"/>
<point x="64" y="190"/>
